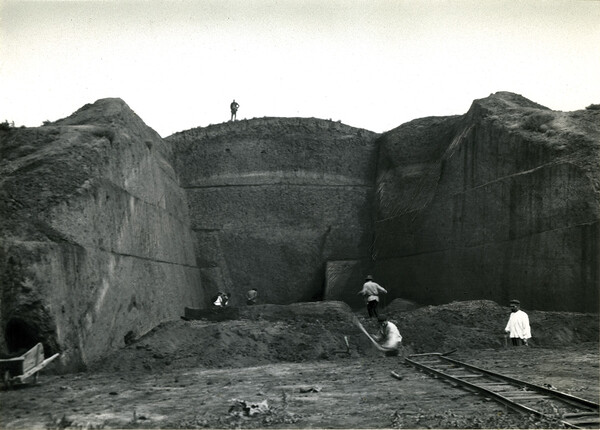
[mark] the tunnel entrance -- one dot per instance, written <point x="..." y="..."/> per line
<point x="20" y="335"/>
<point x="27" y="326"/>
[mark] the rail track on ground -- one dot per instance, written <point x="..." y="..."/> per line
<point x="521" y="396"/>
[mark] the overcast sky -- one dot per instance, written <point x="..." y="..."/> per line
<point x="371" y="64"/>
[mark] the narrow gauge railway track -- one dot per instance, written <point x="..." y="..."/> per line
<point x="571" y="411"/>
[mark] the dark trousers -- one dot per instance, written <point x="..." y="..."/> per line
<point x="372" y="308"/>
<point x="516" y="341"/>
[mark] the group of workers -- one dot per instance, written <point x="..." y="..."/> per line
<point x="221" y="300"/>
<point x="517" y="329"/>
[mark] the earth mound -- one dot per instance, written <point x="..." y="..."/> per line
<point x="302" y="332"/>
<point x="479" y="324"/>
<point x="242" y="337"/>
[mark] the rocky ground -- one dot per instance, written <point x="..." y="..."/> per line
<point x="292" y="365"/>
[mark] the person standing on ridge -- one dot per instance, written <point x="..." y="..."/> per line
<point x="234" y="106"/>
<point x="370" y="291"/>
<point x="518" y="329"/>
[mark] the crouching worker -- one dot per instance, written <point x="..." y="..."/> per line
<point x="251" y="296"/>
<point x="221" y="300"/>
<point x="388" y="336"/>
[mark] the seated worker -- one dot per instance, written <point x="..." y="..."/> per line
<point x="389" y="336"/>
<point x="221" y="300"/>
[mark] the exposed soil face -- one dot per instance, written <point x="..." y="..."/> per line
<point x="293" y="363"/>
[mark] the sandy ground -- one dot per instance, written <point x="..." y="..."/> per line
<point x="299" y="374"/>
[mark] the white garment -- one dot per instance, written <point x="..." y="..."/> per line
<point x="371" y="290"/>
<point x="389" y="335"/>
<point x="518" y="325"/>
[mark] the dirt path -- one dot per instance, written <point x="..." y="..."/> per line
<point x="341" y="393"/>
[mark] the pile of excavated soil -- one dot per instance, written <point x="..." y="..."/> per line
<point x="263" y="334"/>
<point x="242" y="337"/>
<point x="480" y="324"/>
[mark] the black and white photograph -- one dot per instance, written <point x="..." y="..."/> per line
<point x="292" y="214"/>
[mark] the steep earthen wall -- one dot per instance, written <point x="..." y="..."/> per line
<point x="500" y="203"/>
<point x="273" y="199"/>
<point x="106" y="229"/>
<point x="96" y="247"/>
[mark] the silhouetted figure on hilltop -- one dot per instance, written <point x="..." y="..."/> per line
<point x="234" y="106"/>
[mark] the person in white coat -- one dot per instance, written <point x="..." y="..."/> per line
<point x="389" y="336"/>
<point x="518" y="329"/>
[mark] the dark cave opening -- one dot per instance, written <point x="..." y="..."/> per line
<point x="20" y="335"/>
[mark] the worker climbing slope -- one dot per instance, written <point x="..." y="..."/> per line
<point x="370" y="291"/>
